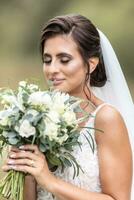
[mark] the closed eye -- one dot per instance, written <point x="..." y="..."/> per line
<point x="48" y="61"/>
<point x="65" y="61"/>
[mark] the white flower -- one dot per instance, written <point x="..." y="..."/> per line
<point x="69" y="117"/>
<point x="26" y="129"/>
<point x="5" y="117"/>
<point x="40" y="98"/>
<point x="62" y="139"/>
<point x="61" y="97"/>
<point x="33" y="87"/>
<point x="54" y="116"/>
<point x="22" y="83"/>
<point x="59" y="100"/>
<point x="12" y="101"/>
<point x="51" y="130"/>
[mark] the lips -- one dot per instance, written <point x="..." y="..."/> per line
<point x="57" y="81"/>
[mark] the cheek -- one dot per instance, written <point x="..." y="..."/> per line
<point x="75" y="70"/>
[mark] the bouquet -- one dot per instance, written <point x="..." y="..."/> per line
<point x="45" y="118"/>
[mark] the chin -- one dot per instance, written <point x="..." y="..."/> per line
<point x="61" y="89"/>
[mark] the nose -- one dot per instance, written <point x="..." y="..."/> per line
<point x="53" y="68"/>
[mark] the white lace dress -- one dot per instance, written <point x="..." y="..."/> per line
<point x="88" y="160"/>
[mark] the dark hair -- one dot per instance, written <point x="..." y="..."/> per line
<point x="86" y="37"/>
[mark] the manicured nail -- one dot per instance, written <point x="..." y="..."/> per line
<point x="23" y="151"/>
<point x="21" y="147"/>
<point x="12" y="166"/>
<point x="10" y="161"/>
<point x="12" y="155"/>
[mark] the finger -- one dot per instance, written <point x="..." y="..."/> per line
<point x="5" y="168"/>
<point x="30" y="147"/>
<point x="22" y="168"/>
<point x="14" y="149"/>
<point x="25" y="161"/>
<point x="24" y="154"/>
<point x="14" y="152"/>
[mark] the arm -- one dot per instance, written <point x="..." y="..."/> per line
<point x="115" y="162"/>
<point x="30" y="188"/>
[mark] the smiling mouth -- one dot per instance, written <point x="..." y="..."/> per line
<point x="55" y="82"/>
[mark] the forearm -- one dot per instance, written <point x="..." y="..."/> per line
<point x="30" y="188"/>
<point x="67" y="191"/>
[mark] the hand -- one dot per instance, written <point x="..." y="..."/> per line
<point x="30" y="160"/>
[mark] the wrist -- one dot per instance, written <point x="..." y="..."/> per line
<point x="47" y="181"/>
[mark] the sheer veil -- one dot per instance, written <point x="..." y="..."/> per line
<point x="116" y="91"/>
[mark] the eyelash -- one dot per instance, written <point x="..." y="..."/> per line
<point x="62" y="61"/>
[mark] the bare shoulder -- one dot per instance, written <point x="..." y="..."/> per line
<point x="108" y="113"/>
<point x="109" y="120"/>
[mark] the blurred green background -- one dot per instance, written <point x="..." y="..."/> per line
<point x="21" y="22"/>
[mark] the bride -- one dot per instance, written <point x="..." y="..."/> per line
<point x="78" y="59"/>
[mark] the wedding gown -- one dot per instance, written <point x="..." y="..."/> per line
<point x="88" y="160"/>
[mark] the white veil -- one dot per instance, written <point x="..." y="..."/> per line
<point x="116" y="91"/>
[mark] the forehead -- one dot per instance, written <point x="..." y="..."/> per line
<point x="60" y="43"/>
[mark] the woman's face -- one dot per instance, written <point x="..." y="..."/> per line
<point x="63" y="65"/>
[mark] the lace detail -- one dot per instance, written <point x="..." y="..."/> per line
<point x="88" y="160"/>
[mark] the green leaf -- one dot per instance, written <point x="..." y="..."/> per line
<point x="53" y="159"/>
<point x="91" y="143"/>
<point x="13" y="141"/>
<point x="9" y="134"/>
<point x="66" y="161"/>
<point x="43" y="147"/>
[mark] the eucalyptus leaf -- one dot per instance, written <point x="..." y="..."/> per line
<point x="13" y="141"/>
<point x="43" y="147"/>
<point x="53" y="159"/>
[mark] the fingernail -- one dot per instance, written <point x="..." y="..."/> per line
<point x="12" y="166"/>
<point x="12" y="155"/>
<point x="23" y="151"/>
<point x="10" y="162"/>
<point x="21" y="147"/>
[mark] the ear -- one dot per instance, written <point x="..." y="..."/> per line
<point x="93" y="62"/>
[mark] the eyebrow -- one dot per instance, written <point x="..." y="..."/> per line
<point x="59" y="55"/>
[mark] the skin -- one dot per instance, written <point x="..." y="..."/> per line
<point x="113" y="145"/>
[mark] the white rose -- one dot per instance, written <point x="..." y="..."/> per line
<point x="69" y="117"/>
<point x="26" y="129"/>
<point x="51" y="130"/>
<point x="54" y="116"/>
<point x="39" y="98"/>
<point x="58" y="107"/>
